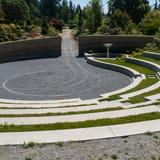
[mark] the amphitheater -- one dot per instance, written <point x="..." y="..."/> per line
<point x="76" y="99"/>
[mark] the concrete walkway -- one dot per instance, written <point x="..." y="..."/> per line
<point x="80" y="134"/>
<point x="78" y="117"/>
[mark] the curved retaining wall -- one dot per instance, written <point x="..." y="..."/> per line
<point x="152" y="66"/>
<point x="151" y="54"/>
<point x="30" y="49"/>
<point x="114" y="67"/>
<point x="120" y="43"/>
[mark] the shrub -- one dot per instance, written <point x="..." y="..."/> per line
<point x="10" y="32"/>
<point x="37" y="22"/>
<point x="154" y="46"/>
<point x="137" y="52"/>
<point x="52" y="32"/>
<point x="121" y="20"/>
<point x="103" y="29"/>
<point x="151" y="23"/>
<point x="44" y="31"/>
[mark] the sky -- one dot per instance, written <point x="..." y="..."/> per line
<point x="84" y="2"/>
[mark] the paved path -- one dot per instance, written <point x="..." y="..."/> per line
<point x="55" y="78"/>
<point x="80" y="134"/>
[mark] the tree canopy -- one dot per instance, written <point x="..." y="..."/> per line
<point x="135" y="8"/>
<point x="15" y="10"/>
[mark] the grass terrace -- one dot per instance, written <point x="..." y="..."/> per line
<point x="153" y="60"/>
<point x="143" y="70"/>
<point x="86" y="124"/>
<point x="62" y="114"/>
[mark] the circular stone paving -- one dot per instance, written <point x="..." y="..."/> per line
<point x="58" y="78"/>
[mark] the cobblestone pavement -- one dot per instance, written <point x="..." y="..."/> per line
<point x="56" y="78"/>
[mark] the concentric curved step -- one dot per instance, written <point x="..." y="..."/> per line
<point x="78" y="118"/>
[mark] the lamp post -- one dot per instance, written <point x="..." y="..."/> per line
<point x="108" y="46"/>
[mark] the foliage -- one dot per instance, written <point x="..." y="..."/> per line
<point x="58" y="24"/>
<point x="121" y="20"/>
<point x="15" y="10"/>
<point x="34" y="8"/>
<point x="10" y="32"/>
<point x="135" y="8"/>
<point x="155" y="45"/>
<point x="50" y="8"/>
<point x="80" y="21"/>
<point x="151" y="23"/>
<point x="52" y="32"/>
<point x="65" y="11"/>
<point x="104" y="29"/>
<point x="93" y="14"/>
<point x="137" y="52"/>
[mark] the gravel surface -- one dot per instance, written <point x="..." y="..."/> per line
<point x="138" y="147"/>
<point x="58" y="78"/>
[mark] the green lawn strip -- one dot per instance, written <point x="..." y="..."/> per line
<point x="143" y="84"/>
<point x="86" y="124"/>
<point x="138" y="68"/>
<point x="61" y="114"/>
<point x="111" y="98"/>
<point x="140" y="98"/>
<point x="153" y="60"/>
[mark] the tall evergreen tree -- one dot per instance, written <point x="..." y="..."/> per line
<point x="65" y="11"/>
<point x="93" y="14"/>
<point x="135" y="8"/>
<point x="50" y="8"/>
<point x="34" y="7"/>
<point x="15" y="10"/>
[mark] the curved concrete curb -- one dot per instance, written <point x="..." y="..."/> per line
<point x="127" y="71"/>
<point x="78" y="118"/>
<point x="151" y="54"/>
<point x="82" y="134"/>
<point x="9" y="101"/>
<point x="136" y="76"/>
<point x="64" y="104"/>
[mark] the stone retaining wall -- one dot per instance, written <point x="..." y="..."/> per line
<point x="121" y="43"/>
<point x="30" y="49"/>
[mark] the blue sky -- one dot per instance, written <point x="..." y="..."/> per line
<point x="84" y="2"/>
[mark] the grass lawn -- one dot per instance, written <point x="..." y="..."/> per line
<point x="61" y="114"/>
<point x="138" y="68"/>
<point x="156" y="61"/>
<point x="86" y="124"/>
<point x="140" y="98"/>
<point x="144" y="83"/>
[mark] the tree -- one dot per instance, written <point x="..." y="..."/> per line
<point x="80" y="22"/>
<point x="15" y="10"/>
<point x="71" y="11"/>
<point x="1" y="11"/>
<point x="50" y="8"/>
<point x="93" y="14"/>
<point x="120" y="19"/>
<point x="65" y="11"/>
<point x="135" y="8"/>
<point x="34" y="7"/>
<point x="151" y="23"/>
